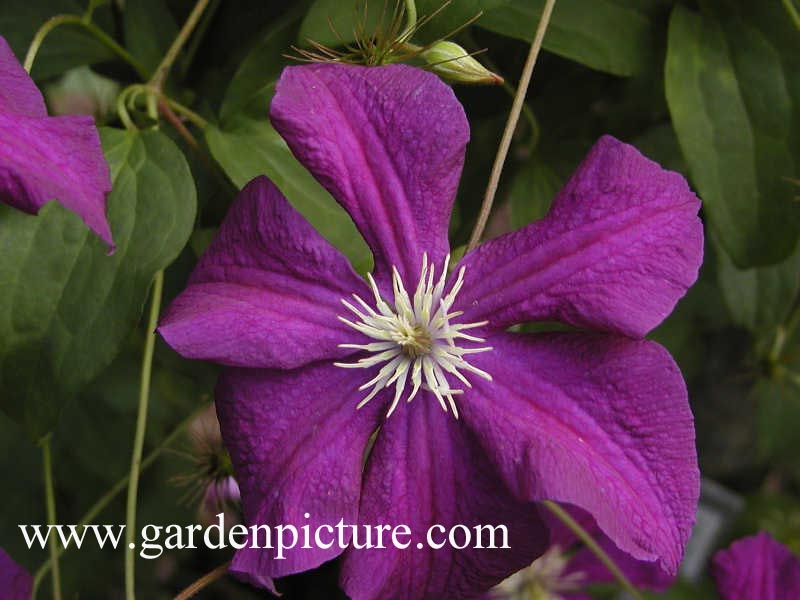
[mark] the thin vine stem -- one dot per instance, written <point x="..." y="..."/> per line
<point x="157" y="84"/>
<point x="594" y="547"/>
<point x="793" y="12"/>
<point x="138" y="442"/>
<point x="163" y="68"/>
<point x="50" y="499"/>
<point x="511" y="125"/>
<point x="98" y="33"/>
<point x="411" y="16"/>
<point x="115" y="491"/>
<point x="203" y="582"/>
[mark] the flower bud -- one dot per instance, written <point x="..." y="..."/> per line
<point x="450" y="61"/>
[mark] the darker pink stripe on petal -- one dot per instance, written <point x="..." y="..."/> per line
<point x="426" y="469"/>
<point x="620" y="246"/>
<point x="597" y="421"/>
<point x="388" y="143"/>
<point x="268" y="291"/>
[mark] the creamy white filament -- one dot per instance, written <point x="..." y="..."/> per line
<point x="414" y="339"/>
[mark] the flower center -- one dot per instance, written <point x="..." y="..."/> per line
<point x="414" y="339"/>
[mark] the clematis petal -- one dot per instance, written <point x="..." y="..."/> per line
<point x="15" y="582"/>
<point x="297" y="445"/>
<point x="424" y="470"/>
<point x="600" y="422"/>
<point x="388" y="143"/>
<point x="55" y="158"/>
<point x="18" y="93"/>
<point x="48" y="158"/>
<point x="757" y="567"/>
<point x="620" y="246"/>
<point x="267" y="291"/>
<point x="643" y="574"/>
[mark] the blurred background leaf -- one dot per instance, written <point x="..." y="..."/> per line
<point x="734" y="90"/>
<point x="68" y="306"/>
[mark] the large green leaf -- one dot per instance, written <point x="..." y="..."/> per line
<point x="733" y="88"/>
<point x="66" y="306"/>
<point x="609" y="35"/>
<point x="330" y="22"/>
<point x="66" y="47"/>
<point x="247" y="148"/>
<point x="778" y="402"/>
<point x="149" y="30"/>
<point x="760" y="298"/>
<point x="532" y="190"/>
<point x="253" y="84"/>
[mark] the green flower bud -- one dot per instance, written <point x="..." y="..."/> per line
<point x="450" y="61"/>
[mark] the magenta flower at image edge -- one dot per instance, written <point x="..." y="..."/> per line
<point x="752" y="568"/>
<point x="568" y="567"/>
<point x="48" y="158"/>
<point x="599" y="420"/>
<point x="757" y="567"/>
<point x="15" y="582"/>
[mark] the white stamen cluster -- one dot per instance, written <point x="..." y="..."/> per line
<point x="546" y="578"/>
<point x="414" y="338"/>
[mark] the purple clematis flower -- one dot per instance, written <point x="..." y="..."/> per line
<point x="757" y="567"/>
<point x="48" y="158"/>
<point x="15" y="582"/>
<point x="471" y="424"/>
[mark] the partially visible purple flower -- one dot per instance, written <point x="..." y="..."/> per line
<point x="568" y="567"/>
<point x="210" y="481"/>
<point x="221" y="496"/>
<point x="15" y="582"/>
<point x="757" y="568"/>
<point x="48" y="158"/>
<point x="490" y="421"/>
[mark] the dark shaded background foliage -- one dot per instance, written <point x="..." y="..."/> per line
<point x="709" y="88"/>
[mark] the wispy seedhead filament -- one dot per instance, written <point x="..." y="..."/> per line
<point x="415" y="341"/>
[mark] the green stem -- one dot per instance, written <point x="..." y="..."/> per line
<point x="594" y="547"/>
<point x="98" y="33"/>
<point x="784" y="333"/>
<point x="186" y="112"/>
<point x="793" y="12"/>
<point x="162" y="70"/>
<point x="152" y="94"/>
<point x="411" y="18"/>
<point x="197" y="38"/>
<point x="511" y="125"/>
<point x="138" y="442"/>
<point x="51" y="515"/>
<point x="115" y="491"/>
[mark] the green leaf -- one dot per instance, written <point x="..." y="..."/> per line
<point x="247" y="148"/>
<point x="67" y="307"/>
<point x="326" y="18"/>
<point x="253" y="84"/>
<point x="733" y="88"/>
<point x="608" y="35"/>
<point x="66" y="47"/>
<point x="532" y="190"/>
<point x="778" y="402"/>
<point x="759" y="298"/>
<point x="149" y="30"/>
